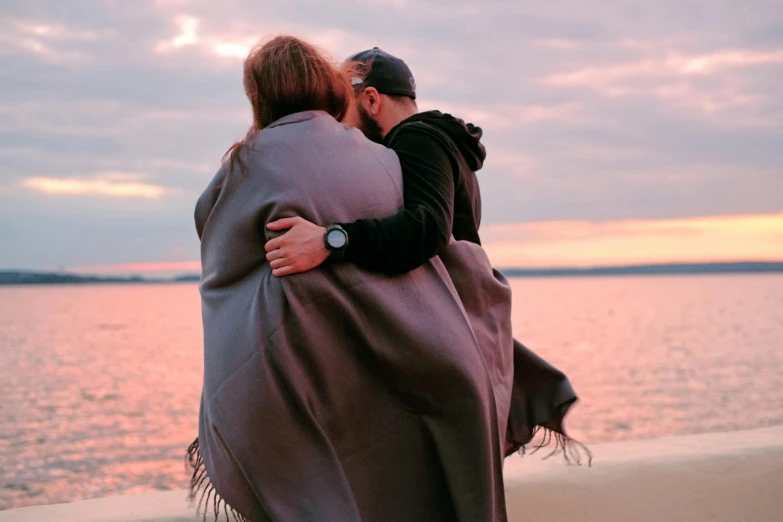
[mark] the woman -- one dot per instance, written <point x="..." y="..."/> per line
<point x="339" y="394"/>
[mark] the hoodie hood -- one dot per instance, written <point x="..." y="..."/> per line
<point x="465" y="136"/>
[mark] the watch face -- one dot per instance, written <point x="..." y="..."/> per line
<point x="336" y="239"/>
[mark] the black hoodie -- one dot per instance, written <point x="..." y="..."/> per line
<point x="439" y="155"/>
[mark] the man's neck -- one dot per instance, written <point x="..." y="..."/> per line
<point x="400" y="114"/>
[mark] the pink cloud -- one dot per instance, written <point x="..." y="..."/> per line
<point x="672" y="77"/>
<point x="559" y="44"/>
<point x="49" y="41"/>
<point x="709" y="63"/>
<point x="506" y="117"/>
<point x="108" y="184"/>
<point x="609" y="78"/>
<point x="190" y="31"/>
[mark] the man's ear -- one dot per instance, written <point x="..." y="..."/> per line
<point x="372" y="101"/>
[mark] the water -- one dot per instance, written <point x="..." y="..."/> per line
<point x="99" y="385"/>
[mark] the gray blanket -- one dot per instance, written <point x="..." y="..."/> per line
<point x="339" y="394"/>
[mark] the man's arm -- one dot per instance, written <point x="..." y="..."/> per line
<point x="396" y="244"/>
<point x="408" y="239"/>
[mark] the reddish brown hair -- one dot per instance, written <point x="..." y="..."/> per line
<point x="287" y="75"/>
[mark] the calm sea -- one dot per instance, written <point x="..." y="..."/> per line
<point x="99" y="385"/>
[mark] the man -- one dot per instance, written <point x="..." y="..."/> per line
<point x="439" y="155"/>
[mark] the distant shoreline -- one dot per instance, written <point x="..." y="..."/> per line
<point x="24" y="278"/>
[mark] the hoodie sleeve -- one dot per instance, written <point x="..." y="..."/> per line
<point x="411" y="237"/>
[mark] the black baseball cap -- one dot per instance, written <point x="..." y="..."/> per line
<point x="387" y="73"/>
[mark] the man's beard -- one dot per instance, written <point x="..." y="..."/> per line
<point x="369" y="126"/>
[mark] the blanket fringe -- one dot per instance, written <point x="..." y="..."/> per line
<point x="572" y="449"/>
<point x="201" y="486"/>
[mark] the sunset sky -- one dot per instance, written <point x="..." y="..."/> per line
<point x="617" y="132"/>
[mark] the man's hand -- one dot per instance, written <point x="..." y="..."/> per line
<point x="298" y="250"/>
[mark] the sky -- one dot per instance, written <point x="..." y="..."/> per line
<point x="617" y="132"/>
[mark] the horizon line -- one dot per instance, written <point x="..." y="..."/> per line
<point x="575" y="268"/>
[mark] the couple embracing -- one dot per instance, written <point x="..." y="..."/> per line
<point x="358" y="357"/>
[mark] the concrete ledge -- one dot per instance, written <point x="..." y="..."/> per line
<point x="721" y="477"/>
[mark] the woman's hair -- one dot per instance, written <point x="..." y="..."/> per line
<point x="286" y="75"/>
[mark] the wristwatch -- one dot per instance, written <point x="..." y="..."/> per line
<point x="336" y="241"/>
